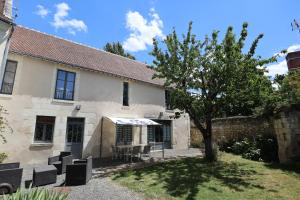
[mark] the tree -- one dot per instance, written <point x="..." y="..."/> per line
<point x="289" y="88"/>
<point x="117" y="48"/>
<point x="211" y="77"/>
<point x="3" y="125"/>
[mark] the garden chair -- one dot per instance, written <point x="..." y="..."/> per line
<point x="115" y="152"/>
<point x="126" y="153"/>
<point x="80" y="172"/>
<point x="136" y="150"/>
<point x="10" y="177"/>
<point x="61" y="161"/>
<point x="146" y="151"/>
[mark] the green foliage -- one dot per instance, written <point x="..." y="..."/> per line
<point x="290" y="88"/>
<point x="260" y="148"/>
<point x="117" y="48"/>
<point x="3" y="124"/>
<point x="3" y="156"/>
<point x="36" y="194"/>
<point x="285" y="94"/>
<point x="211" y="78"/>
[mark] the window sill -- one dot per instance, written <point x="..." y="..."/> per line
<point x="125" y="108"/>
<point x="5" y="96"/>
<point x="63" y="101"/>
<point x="41" y="145"/>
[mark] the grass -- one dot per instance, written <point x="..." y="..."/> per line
<point x="232" y="177"/>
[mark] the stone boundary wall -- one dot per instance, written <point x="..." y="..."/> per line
<point x="285" y="125"/>
<point x="287" y="128"/>
<point x="235" y="128"/>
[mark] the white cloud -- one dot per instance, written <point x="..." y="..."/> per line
<point x="278" y="68"/>
<point x="61" y="21"/>
<point x="142" y="31"/>
<point x="42" y="11"/>
<point x="281" y="67"/>
<point x="292" y="48"/>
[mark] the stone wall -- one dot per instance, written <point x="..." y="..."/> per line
<point x="235" y="128"/>
<point x="287" y="128"/>
<point x="285" y="125"/>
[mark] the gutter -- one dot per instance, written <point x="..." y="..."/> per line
<point x="6" y="50"/>
<point x="7" y="21"/>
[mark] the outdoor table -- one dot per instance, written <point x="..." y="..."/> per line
<point x="125" y="149"/>
<point x="44" y="175"/>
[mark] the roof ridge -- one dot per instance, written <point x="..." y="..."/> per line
<point x="84" y="45"/>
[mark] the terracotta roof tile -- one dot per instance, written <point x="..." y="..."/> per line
<point x="36" y="44"/>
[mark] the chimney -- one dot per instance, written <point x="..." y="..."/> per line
<point x="293" y="60"/>
<point x="7" y="10"/>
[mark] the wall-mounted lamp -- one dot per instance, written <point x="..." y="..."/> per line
<point x="77" y="107"/>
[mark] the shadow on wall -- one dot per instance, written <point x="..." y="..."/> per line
<point x="93" y="145"/>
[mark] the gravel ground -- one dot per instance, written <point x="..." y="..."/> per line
<point x="102" y="188"/>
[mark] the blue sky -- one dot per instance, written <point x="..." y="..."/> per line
<point x="135" y="22"/>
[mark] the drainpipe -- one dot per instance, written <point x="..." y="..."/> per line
<point x="101" y="132"/>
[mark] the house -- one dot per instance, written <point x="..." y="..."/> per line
<point x="60" y="95"/>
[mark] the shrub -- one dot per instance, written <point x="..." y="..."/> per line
<point x="36" y="194"/>
<point x="3" y="156"/>
<point x="260" y="148"/>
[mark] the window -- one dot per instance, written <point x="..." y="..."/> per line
<point x="9" y="77"/>
<point x="65" y="82"/>
<point x="125" y="94"/>
<point x="44" y="129"/>
<point x="75" y="129"/>
<point x="124" y="134"/>
<point x="156" y="135"/>
<point x="168" y="100"/>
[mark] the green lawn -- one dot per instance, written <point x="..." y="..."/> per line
<point x="231" y="178"/>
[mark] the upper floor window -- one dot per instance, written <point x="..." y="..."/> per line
<point x="44" y="129"/>
<point x="65" y="82"/>
<point x="9" y="77"/>
<point x="125" y="94"/>
<point x="168" y="100"/>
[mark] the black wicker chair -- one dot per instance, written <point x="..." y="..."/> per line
<point x="80" y="172"/>
<point x="61" y="161"/>
<point x="146" y="151"/>
<point x="10" y="177"/>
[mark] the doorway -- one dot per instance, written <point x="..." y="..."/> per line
<point x="159" y="135"/>
<point x="74" y="136"/>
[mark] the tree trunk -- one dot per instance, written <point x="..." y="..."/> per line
<point x="207" y="138"/>
<point x="208" y="142"/>
<point x="209" y="151"/>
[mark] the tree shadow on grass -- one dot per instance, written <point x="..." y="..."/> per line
<point x="184" y="177"/>
<point x="292" y="168"/>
